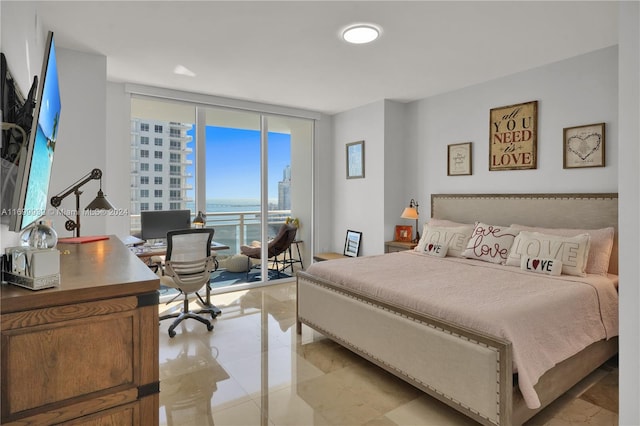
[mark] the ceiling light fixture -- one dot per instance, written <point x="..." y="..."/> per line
<point x="361" y="33"/>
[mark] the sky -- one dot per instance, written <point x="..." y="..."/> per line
<point x="233" y="162"/>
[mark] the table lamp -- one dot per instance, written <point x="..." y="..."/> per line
<point x="411" y="212"/>
<point x="99" y="203"/>
<point x="200" y="220"/>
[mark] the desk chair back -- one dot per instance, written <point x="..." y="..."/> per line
<point x="188" y="267"/>
<point x="189" y="244"/>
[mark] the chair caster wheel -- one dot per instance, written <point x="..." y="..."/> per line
<point x="172" y="333"/>
<point x="209" y="327"/>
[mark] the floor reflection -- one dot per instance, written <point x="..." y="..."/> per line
<point x="253" y="369"/>
<point x="188" y="382"/>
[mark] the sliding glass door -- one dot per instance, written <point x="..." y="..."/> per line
<point x="250" y="191"/>
<point x="232" y="177"/>
<point x="249" y="173"/>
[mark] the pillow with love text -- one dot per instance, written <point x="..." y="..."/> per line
<point x="600" y="244"/>
<point x="435" y="249"/>
<point x="490" y="243"/>
<point x="455" y="238"/>
<point x="573" y="252"/>
<point x="541" y="266"/>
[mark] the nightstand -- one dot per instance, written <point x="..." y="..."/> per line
<point x="393" y="246"/>
<point x="320" y="257"/>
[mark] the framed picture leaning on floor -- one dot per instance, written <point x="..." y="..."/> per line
<point x="352" y="243"/>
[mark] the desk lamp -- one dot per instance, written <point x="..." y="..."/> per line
<point x="99" y="203"/>
<point x="200" y="220"/>
<point x="411" y="212"/>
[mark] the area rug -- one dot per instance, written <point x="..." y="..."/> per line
<point x="223" y="278"/>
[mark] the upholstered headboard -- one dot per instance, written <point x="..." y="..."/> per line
<point x="583" y="211"/>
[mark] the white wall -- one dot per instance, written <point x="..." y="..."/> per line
<point x="396" y="197"/>
<point x="576" y="91"/>
<point x="82" y="144"/>
<point x="359" y="204"/>
<point x="22" y="40"/>
<point x="302" y="180"/>
<point x="118" y="155"/>
<point x="371" y="205"/>
<point x="629" y="189"/>
<point x="323" y="178"/>
<point x="412" y="140"/>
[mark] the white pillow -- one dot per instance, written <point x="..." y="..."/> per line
<point x="600" y="244"/>
<point x="455" y="238"/>
<point x="541" y="266"/>
<point x="235" y="263"/>
<point x="490" y="243"/>
<point x="435" y="249"/>
<point x="443" y="223"/>
<point x="573" y="252"/>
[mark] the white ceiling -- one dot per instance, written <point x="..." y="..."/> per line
<point x="290" y="53"/>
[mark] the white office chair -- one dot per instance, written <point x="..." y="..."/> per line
<point x="187" y="267"/>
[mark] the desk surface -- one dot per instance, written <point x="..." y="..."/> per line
<point x="91" y="271"/>
<point x="148" y="251"/>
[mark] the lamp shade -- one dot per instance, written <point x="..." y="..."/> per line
<point x="409" y="213"/>
<point x="100" y="203"/>
<point x="199" y="220"/>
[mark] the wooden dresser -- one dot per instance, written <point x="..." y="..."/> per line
<point x="86" y="352"/>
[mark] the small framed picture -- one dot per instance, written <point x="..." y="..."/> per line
<point x="404" y="233"/>
<point x="584" y="146"/>
<point x="459" y="159"/>
<point x="355" y="160"/>
<point x="352" y="243"/>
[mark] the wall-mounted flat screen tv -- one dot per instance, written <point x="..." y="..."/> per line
<point x="36" y="158"/>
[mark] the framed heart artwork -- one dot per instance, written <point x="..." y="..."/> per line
<point x="584" y="146"/>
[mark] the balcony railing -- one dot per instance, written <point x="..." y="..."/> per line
<point x="234" y="228"/>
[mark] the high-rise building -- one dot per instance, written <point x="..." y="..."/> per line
<point x="159" y="175"/>
<point x="284" y="190"/>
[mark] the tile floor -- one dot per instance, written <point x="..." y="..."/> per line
<point x="253" y="369"/>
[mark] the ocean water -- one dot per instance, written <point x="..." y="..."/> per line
<point x="220" y="205"/>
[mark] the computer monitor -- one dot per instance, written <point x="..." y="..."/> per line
<point x="155" y="224"/>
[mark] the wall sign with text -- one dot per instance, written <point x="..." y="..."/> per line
<point x="513" y="137"/>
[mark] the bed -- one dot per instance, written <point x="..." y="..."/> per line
<point x="406" y="311"/>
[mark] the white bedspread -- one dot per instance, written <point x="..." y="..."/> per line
<point x="547" y="319"/>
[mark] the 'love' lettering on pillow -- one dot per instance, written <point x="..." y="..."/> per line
<point x="436" y="249"/>
<point x="541" y="266"/>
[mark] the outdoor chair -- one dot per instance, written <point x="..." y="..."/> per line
<point x="278" y="245"/>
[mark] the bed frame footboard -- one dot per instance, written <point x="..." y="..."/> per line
<point x="471" y="372"/>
